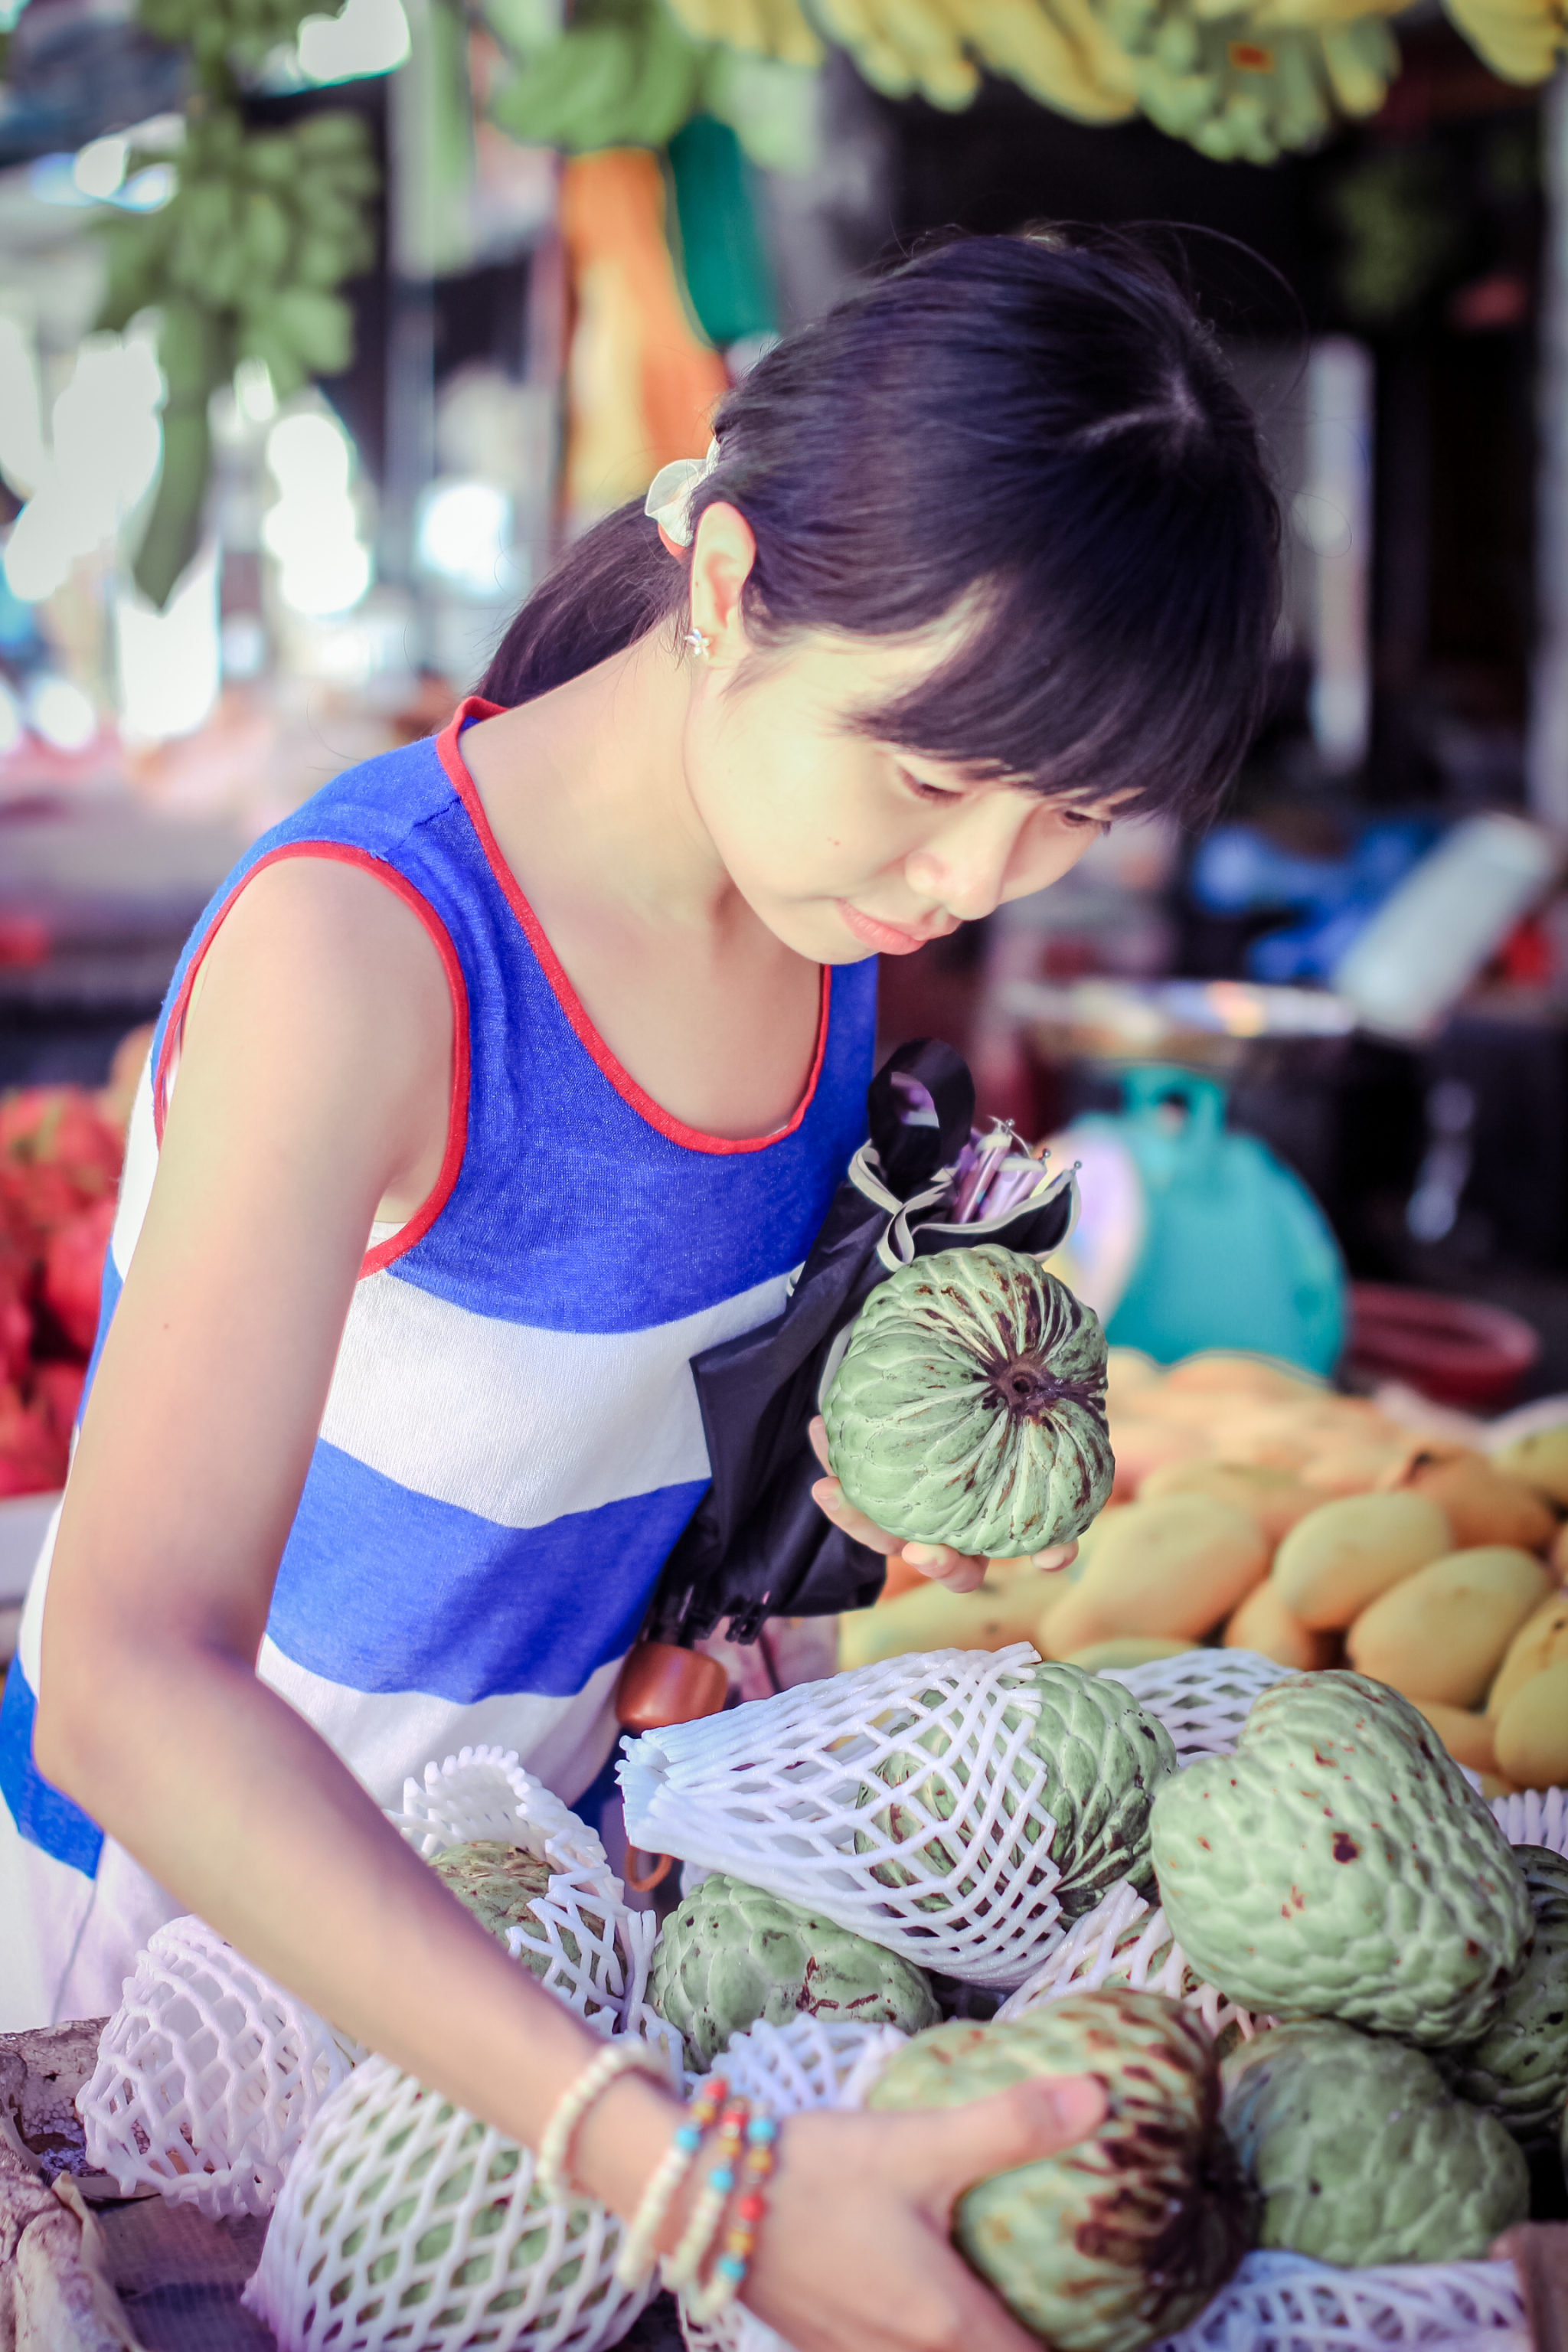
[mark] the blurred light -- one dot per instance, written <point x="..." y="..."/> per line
<point x="100" y="166"/>
<point x="148" y="190"/>
<point x="169" y="661"/>
<point x="242" y="646"/>
<point x="253" y="392"/>
<point x="310" y="457"/>
<point x="465" y="537"/>
<point x="313" y="530"/>
<point x="10" y="719"/>
<point x="106" y="447"/>
<point x="61" y="713"/>
<point x="368" y="36"/>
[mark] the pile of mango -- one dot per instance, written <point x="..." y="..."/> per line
<point x="1256" y="1509"/>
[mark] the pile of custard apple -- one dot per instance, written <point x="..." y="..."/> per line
<point x="1337" y="1877"/>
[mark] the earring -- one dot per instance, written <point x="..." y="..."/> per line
<point x="698" y="642"/>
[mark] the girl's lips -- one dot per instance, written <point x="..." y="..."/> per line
<point x="887" y="938"/>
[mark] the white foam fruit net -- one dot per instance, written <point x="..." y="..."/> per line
<point x="785" y="2068"/>
<point x="1123" y="1941"/>
<point x="1283" y="2303"/>
<point x="585" y="1945"/>
<point x="407" y="2223"/>
<point x="207" y="2077"/>
<point x="1534" y="1816"/>
<point x="1202" y="1697"/>
<point x="903" y="1801"/>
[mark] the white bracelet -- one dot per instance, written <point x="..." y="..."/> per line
<point x="617" y="2057"/>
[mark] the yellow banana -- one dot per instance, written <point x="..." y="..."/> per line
<point x="1522" y="44"/>
<point x="1022" y="39"/>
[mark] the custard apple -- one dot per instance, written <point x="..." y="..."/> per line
<point x="1340" y="1865"/>
<point x="1360" y="2153"/>
<point x="1104" y="1758"/>
<point x="1518" y="2070"/>
<point x="501" y="1885"/>
<point x="1125" y="2238"/>
<point x="969" y="1408"/>
<point x="732" y="1953"/>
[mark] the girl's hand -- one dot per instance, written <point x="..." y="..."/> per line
<point x="854" y="2256"/>
<point x="959" y="1571"/>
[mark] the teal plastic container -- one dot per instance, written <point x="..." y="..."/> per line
<point x="1235" y="1252"/>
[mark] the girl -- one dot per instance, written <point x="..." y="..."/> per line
<point x="520" y="1065"/>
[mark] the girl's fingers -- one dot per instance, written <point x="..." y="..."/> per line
<point x="818" y="1436"/>
<point x="828" y="1496"/>
<point x="963" y="2145"/>
<point x="1055" y="1556"/>
<point x="956" y="1570"/>
<point x="959" y="1571"/>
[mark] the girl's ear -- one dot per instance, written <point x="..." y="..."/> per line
<point x="721" y="561"/>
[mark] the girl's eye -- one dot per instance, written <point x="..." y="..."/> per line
<point x="923" y="790"/>
<point x="1082" y="817"/>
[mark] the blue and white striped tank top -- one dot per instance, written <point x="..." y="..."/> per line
<point x="511" y="1443"/>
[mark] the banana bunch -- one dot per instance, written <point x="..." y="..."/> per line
<point x="242" y="262"/>
<point x="1248" y="86"/>
<point x="1248" y="82"/>
<point x="629" y="73"/>
<point x="236" y="33"/>
<point x="622" y="74"/>
<point x="1057" y="50"/>
<point x="763" y="28"/>
<point x="1520" y="40"/>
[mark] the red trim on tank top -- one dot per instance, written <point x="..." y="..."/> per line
<point x="692" y="1138"/>
<point x="345" y="854"/>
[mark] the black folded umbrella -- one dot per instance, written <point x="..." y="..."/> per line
<point x="757" y="1546"/>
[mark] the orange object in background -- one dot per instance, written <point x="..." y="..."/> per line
<point x="642" y="381"/>
<point x="663" y="1683"/>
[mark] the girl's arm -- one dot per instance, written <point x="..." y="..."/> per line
<point x="313" y="1088"/>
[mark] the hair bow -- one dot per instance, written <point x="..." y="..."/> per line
<point x="670" y="492"/>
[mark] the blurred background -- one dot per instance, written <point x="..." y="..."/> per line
<point x="321" y="335"/>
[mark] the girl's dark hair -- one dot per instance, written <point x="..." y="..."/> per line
<point x="1039" y="425"/>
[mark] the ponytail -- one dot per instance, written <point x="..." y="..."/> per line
<point x="610" y="588"/>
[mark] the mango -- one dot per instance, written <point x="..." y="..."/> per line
<point x="1126" y="1649"/>
<point x="1531" y="1734"/>
<point x="1350" y="1469"/>
<point x="1485" y="1505"/>
<point x="1273" y="1498"/>
<point x="1127" y="1369"/>
<point x="1264" y="1624"/>
<point x="1141" y="1445"/>
<point x="934" y="1619"/>
<point x="1443" y="1633"/>
<point x="1226" y="1373"/>
<point x="1540" y="1642"/>
<point x="1541" y="1461"/>
<point x="1467" y="1738"/>
<point x="1173" y="1569"/>
<point x="1347" y="1551"/>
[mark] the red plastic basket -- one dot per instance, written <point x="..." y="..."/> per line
<point x="1456" y="1351"/>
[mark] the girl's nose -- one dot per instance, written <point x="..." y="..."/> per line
<point x="965" y="868"/>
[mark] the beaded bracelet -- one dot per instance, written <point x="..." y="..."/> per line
<point x="637" y="2247"/>
<point x="709" y="2210"/>
<point x="555" y="2141"/>
<point x="730" y="2270"/>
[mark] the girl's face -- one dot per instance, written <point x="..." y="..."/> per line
<point x="844" y="846"/>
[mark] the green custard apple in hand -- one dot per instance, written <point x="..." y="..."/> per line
<point x="1125" y="2238"/>
<point x="1360" y="2153"/>
<point x="1340" y="1865"/>
<point x="969" y="1409"/>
